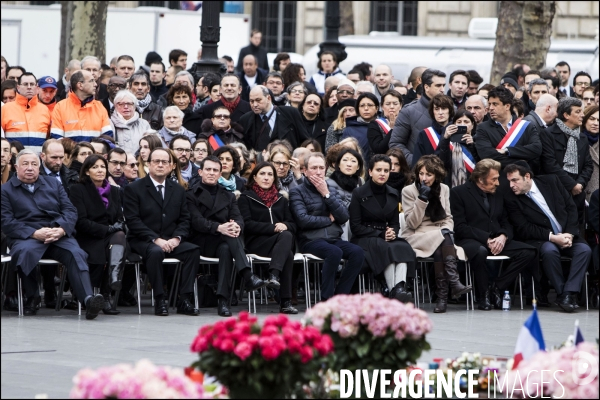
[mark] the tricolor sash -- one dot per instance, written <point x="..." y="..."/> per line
<point x="383" y="125"/>
<point x="434" y="139"/>
<point x="513" y="135"/>
<point x="215" y="141"/>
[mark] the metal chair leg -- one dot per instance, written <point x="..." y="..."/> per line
<point x="63" y="278"/>
<point x="138" y="289"/>
<point x="19" y="295"/>
<point x="585" y="279"/>
<point x="306" y="284"/>
<point x="521" y="290"/>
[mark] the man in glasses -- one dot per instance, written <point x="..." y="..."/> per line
<point x="115" y="84"/>
<point x="131" y="169"/>
<point x="182" y="147"/>
<point x="26" y="119"/>
<point x="346" y="90"/>
<point x="117" y="160"/>
<point x="274" y="82"/>
<point x="581" y="80"/>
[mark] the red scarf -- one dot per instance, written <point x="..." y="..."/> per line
<point x="269" y="197"/>
<point x="231" y="106"/>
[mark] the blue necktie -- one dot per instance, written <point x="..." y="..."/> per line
<point x="555" y="229"/>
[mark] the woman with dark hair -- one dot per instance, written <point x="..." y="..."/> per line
<point x="230" y="165"/>
<point x="180" y="95"/>
<point x="296" y="73"/>
<point x="330" y="98"/>
<point x="147" y="143"/>
<point x="7" y="158"/>
<point x="375" y="222"/>
<point x="313" y="115"/>
<point x="459" y="158"/>
<point x="16" y="147"/>
<point x="220" y="130"/>
<point x="400" y="174"/>
<point x="328" y="66"/>
<point x="589" y="127"/>
<point x="349" y="167"/>
<point x="429" y="224"/>
<point x="441" y="111"/>
<point x="380" y="130"/>
<point x="100" y="226"/>
<point x="8" y="91"/>
<point x="78" y="155"/>
<point x="269" y="228"/>
<point x="312" y="145"/>
<point x="357" y="127"/>
<point x="201" y="149"/>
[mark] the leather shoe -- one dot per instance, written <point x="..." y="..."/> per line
<point x="254" y="283"/>
<point x="126" y="299"/>
<point x="575" y="300"/>
<point x="222" y="308"/>
<point x="287" y="308"/>
<point x="31" y="305"/>
<point x="496" y="298"/>
<point x="565" y="301"/>
<point x="93" y="306"/>
<point x="542" y="300"/>
<point x="273" y="282"/>
<point x="11" y="303"/>
<point x="108" y="308"/>
<point x="186" y="307"/>
<point x="400" y="293"/>
<point x="484" y="302"/>
<point x="160" y="308"/>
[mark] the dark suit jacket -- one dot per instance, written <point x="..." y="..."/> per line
<point x="93" y="218"/>
<point x="154" y="115"/>
<point x="106" y="104"/>
<point x="288" y="126"/>
<point x="207" y="215"/>
<point x="150" y="217"/>
<point x="367" y="218"/>
<point x="68" y="177"/>
<point x="540" y="126"/>
<point x="530" y="223"/>
<point x="490" y="134"/>
<point x="260" y="78"/>
<point x="207" y="111"/>
<point x="554" y="143"/>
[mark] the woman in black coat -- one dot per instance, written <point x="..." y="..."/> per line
<point x="269" y="228"/>
<point x="313" y="115"/>
<point x="374" y="222"/>
<point x="99" y="226"/>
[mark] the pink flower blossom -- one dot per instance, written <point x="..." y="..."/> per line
<point x="243" y="350"/>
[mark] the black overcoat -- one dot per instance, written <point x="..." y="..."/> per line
<point x="288" y="126"/>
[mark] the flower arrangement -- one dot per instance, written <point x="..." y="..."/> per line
<point x="370" y="331"/>
<point x="271" y="361"/>
<point x="142" y="381"/>
<point x="567" y="374"/>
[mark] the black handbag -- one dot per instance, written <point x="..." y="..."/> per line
<point x="207" y="291"/>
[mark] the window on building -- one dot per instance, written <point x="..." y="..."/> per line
<point x="394" y="16"/>
<point x="277" y="22"/>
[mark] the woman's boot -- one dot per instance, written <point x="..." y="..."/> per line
<point x="450" y="261"/>
<point x="115" y="265"/>
<point x="441" y="288"/>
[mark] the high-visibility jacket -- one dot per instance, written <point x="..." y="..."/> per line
<point x="27" y="121"/>
<point x="79" y="120"/>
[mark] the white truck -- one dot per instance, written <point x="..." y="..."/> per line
<point x="31" y="35"/>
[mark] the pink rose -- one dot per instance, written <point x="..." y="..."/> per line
<point x="306" y="354"/>
<point x="243" y="350"/>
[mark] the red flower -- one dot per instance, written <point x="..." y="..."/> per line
<point x="306" y="354"/>
<point x="200" y="344"/>
<point x="230" y="323"/>
<point x="269" y="330"/>
<point x="243" y="350"/>
<point x="324" y="345"/>
<point x="252" y="340"/>
<point x="227" y="345"/>
<point x="311" y="333"/>
<point x="270" y="353"/>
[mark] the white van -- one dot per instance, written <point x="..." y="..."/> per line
<point x="403" y="53"/>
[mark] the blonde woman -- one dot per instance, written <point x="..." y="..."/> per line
<point x="334" y="132"/>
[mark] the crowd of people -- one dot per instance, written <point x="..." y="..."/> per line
<point x="110" y="162"/>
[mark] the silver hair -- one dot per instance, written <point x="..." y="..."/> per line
<point x="313" y="154"/>
<point x="366" y="83"/>
<point x="243" y="148"/>
<point x="175" y="108"/>
<point x="125" y="94"/>
<point x="538" y="81"/>
<point x="24" y="152"/>
<point x="263" y="89"/>
<point x="90" y="58"/>
<point x="74" y="64"/>
<point x="546" y="100"/>
<point x="294" y="84"/>
<point x="189" y="76"/>
<point x="565" y="105"/>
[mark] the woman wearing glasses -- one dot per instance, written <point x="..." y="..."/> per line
<point x="287" y="168"/>
<point x="200" y="150"/>
<point x="220" y="130"/>
<point x="357" y="127"/>
<point x="126" y="123"/>
<point x="296" y="94"/>
<point x="313" y="115"/>
<point x="173" y="125"/>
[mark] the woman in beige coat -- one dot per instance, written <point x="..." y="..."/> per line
<point x="428" y="227"/>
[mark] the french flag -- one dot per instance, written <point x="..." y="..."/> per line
<point x="530" y="340"/>
<point x="577" y="336"/>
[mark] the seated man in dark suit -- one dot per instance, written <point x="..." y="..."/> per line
<point x="39" y="220"/>
<point x="482" y="229"/>
<point x="544" y="216"/>
<point x="159" y="221"/>
<point x="216" y="228"/>
<point x="267" y="122"/>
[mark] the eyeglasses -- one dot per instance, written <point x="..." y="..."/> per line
<point x="297" y="91"/>
<point x="201" y="150"/>
<point x="313" y="103"/>
<point x="132" y="165"/>
<point x="221" y="116"/>
<point x="349" y="92"/>
<point x="180" y="150"/>
<point x="588" y="99"/>
<point x="125" y="105"/>
<point x="163" y="162"/>
<point x="280" y="164"/>
<point x="275" y="83"/>
<point x="366" y="106"/>
<point x="118" y="163"/>
<point x="584" y="84"/>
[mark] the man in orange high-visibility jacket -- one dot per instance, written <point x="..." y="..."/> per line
<point x="79" y="117"/>
<point x="26" y="119"/>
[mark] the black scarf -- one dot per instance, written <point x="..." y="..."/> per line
<point x="591" y="138"/>
<point x="348" y="183"/>
<point x="397" y="181"/>
<point x="435" y="210"/>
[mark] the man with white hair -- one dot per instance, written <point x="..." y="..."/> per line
<point x="383" y="80"/>
<point x="39" y="220"/>
<point x="93" y="65"/>
<point x="542" y="117"/>
<point x="363" y="87"/>
<point x="477" y="105"/>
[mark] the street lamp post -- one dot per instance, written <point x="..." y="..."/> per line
<point x="332" y="27"/>
<point x="210" y="35"/>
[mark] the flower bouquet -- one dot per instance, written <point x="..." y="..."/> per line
<point x="142" y="381"/>
<point x="568" y="373"/>
<point x="272" y="361"/>
<point x="370" y="331"/>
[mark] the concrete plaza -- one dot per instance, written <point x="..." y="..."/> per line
<point x="41" y="354"/>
